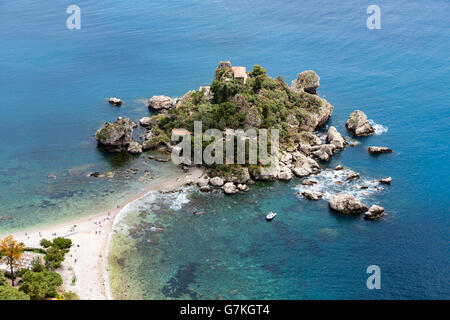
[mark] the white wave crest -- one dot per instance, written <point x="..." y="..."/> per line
<point x="379" y="128"/>
<point x="331" y="182"/>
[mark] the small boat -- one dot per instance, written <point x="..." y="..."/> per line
<point x="270" y="216"/>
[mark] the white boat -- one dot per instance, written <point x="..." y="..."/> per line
<point x="271" y="215"/>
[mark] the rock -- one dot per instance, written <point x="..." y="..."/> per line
<point x="335" y="138"/>
<point x="308" y="182"/>
<point x="319" y="111"/>
<point x="285" y="174"/>
<point x="242" y="187"/>
<point x="216" y="182"/>
<point x="160" y="102"/>
<point x="376" y="150"/>
<point x="311" y="195"/>
<point x="323" y="152"/>
<point x="339" y="167"/>
<point x="203" y="181"/>
<point x="115" y="101"/>
<point x="346" y="203"/>
<point x="230" y="188"/>
<point x="148" y="135"/>
<point x="352" y="175"/>
<point x="135" y="148"/>
<point x="266" y="173"/>
<point x="387" y="180"/>
<point x="307" y="81"/>
<point x="239" y="176"/>
<point x="51" y="176"/>
<point x="364" y="187"/>
<point x="309" y="138"/>
<point x="305" y="166"/>
<point x="205" y="188"/>
<point x="145" y="121"/>
<point x="117" y="136"/>
<point x="358" y="124"/>
<point x="374" y="212"/>
<point x="95" y="174"/>
<point x="207" y="92"/>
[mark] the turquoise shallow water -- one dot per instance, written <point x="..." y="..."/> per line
<point x="53" y="83"/>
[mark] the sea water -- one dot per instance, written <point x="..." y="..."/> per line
<point x="53" y="86"/>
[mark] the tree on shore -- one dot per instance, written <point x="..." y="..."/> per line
<point x="11" y="251"/>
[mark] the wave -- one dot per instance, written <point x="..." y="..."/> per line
<point x="331" y="182"/>
<point x="379" y="129"/>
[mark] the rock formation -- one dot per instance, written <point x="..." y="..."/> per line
<point x="116" y="136"/>
<point x="376" y="150"/>
<point x="307" y="81"/>
<point x="374" y="212"/>
<point x="358" y="124"/>
<point x="160" y="103"/>
<point x="346" y="203"/>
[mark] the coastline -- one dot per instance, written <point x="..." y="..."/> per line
<point x="91" y="238"/>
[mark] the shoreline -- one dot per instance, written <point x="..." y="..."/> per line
<point x="91" y="236"/>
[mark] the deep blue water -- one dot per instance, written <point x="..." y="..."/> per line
<point x="53" y="83"/>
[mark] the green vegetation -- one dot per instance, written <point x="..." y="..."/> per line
<point x="40" y="285"/>
<point x="56" y="251"/>
<point x="262" y="102"/>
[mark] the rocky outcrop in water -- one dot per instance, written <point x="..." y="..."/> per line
<point x="387" y="180"/>
<point x="335" y="138"/>
<point x="116" y="136"/>
<point x="311" y="195"/>
<point x="307" y="81"/>
<point x="230" y="188"/>
<point x="374" y="212"/>
<point x="324" y="152"/>
<point x="346" y="203"/>
<point x="157" y="103"/>
<point x="216" y="182"/>
<point x="376" y="150"/>
<point x="115" y="102"/>
<point x="358" y="124"/>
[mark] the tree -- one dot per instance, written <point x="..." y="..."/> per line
<point x="62" y="243"/>
<point x="11" y="251"/>
<point x="40" y="285"/>
<point x="46" y="243"/>
<point x="54" y="257"/>
<point x="36" y="265"/>
<point x="9" y="293"/>
<point x="257" y="71"/>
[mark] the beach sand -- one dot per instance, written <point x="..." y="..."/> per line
<point x="88" y="257"/>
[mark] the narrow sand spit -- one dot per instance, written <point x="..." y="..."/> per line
<point x="87" y="259"/>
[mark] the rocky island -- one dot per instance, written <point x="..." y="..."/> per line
<point x="238" y="99"/>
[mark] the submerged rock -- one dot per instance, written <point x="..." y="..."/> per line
<point x="116" y="136"/>
<point x="346" y="203"/>
<point x="205" y="188"/>
<point x="338" y="168"/>
<point x="358" y="124"/>
<point x="374" y="212"/>
<point x="160" y="103"/>
<point x="375" y="150"/>
<point x="307" y="81"/>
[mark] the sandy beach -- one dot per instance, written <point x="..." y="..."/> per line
<point x="87" y="259"/>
